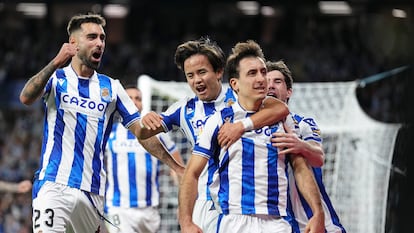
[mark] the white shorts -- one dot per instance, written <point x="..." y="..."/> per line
<point x="129" y="220"/>
<point x="60" y="208"/>
<point x="205" y="216"/>
<point x="253" y="223"/>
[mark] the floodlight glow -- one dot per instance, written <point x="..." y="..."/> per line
<point x="398" y="13"/>
<point x="335" y="7"/>
<point x="248" y="7"/>
<point x="115" y="11"/>
<point x="36" y="10"/>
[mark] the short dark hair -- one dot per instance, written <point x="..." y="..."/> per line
<point x="204" y="46"/>
<point x="242" y="50"/>
<point x="77" y="20"/>
<point x="282" y="68"/>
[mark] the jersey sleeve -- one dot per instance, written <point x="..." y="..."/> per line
<point x="124" y="105"/>
<point x="309" y="130"/>
<point x="167" y="142"/>
<point x="172" y="115"/>
<point x="207" y="144"/>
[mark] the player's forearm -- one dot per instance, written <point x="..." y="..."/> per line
<point x="8" y="187"/>
<point x="273" y="111"/>
<point x="306" y="184"/>
<point x="313" y="152"/>
<point x="186" y="199"/>
<point x="155" y="148"/>
<point x="33" y="88"/>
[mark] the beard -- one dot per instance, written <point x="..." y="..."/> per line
<point x="87" y="62"/>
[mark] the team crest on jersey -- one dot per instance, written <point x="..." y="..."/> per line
<point x="105" y="94"/>
<point x="230" y="102"/>
<point x="190" y="110"/>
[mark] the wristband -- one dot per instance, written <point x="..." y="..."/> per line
<point x="247" y="123"/>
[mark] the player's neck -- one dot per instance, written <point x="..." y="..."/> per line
<point x="81" y="69"/>
<point x="250" y="104"/>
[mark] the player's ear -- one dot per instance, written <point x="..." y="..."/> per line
<point x="72" y="40"/>
<point x="234" y="84"/>
<point x="289" y="92"/>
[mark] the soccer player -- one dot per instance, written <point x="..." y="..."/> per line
<point x="132" y="192"/>
<point x="79" y="103"/>
<point x="305" y="140"/>
<point x="250" y="183"/>
<point x="203" y="62"/>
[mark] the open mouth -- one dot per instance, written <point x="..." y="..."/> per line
<point x="96" y="55"/>
<point x="201" y="88"/>
<point x="272" y="94"/>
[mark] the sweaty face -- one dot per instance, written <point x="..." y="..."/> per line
<point x="136" y="97"/>
<point x="91" y="43"/>
<point x="251" y="86"/>
<point x="277" y="86"/>
<point x="203" y="80"/>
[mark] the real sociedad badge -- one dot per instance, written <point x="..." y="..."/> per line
<point x="105" y="94"/>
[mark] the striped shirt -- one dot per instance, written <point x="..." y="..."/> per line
<point x="78" y="119"/>
<point x="132" y="171"/>
<point x="308" y="130"/>
<point x="190" y="115"/>
<point x="251" y="176"/>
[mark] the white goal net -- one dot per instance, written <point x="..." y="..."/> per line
<point x="358" y="150"/>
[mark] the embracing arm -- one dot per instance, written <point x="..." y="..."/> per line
<point x="33" y="88"/>
<point x="308" y="188"/>
<point x="155" y="148"/>
<point x="150" y="125"/>
<point x="290" y="143"/>
<point x="273" y="111"/>
<point x="188" y="193"/>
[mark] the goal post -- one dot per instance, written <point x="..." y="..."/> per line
<point x="358" y="149"/>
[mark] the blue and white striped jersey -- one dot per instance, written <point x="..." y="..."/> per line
<point x="78" y="119"/>
<point x="308" y="130"/>
<point x="251" y="177"/>
<point x="190" y="115"/>
<point x="132" y="171"/>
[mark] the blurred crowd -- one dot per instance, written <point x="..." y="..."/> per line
<point x="317" y="48"/>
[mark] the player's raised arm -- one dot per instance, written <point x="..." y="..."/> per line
<point x="33" y="88"/>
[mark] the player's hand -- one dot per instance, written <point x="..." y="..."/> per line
<point x="229" y="133"/>
<point x="151" y="120"/>
<point x="316" y="224"/>
<point x="24" y="186"/>
<point x="67" y="51"/>
<point x="190" y="228"/>
<point x="287" y="143"/>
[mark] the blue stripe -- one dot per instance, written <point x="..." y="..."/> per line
<point x="133" y="190"/>
<point x="325" y="198"/>
<point x="75" y="178"/>
<point x="213" y="162"/>
<point x="148" y="165"/>
<point x="273" y="184"/>
<point x="209" y="108"/>
<point x="220" y="217"/>
<point x="104" y="83"/>
<point x="116" y="199"/>
<point x="189" y="116"/>
<point x="56" y="153"/>
<point x="248" y="187"/>
<point x="223" y="193"/>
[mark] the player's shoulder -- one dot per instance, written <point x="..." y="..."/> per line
<point x="179" y="105"/>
